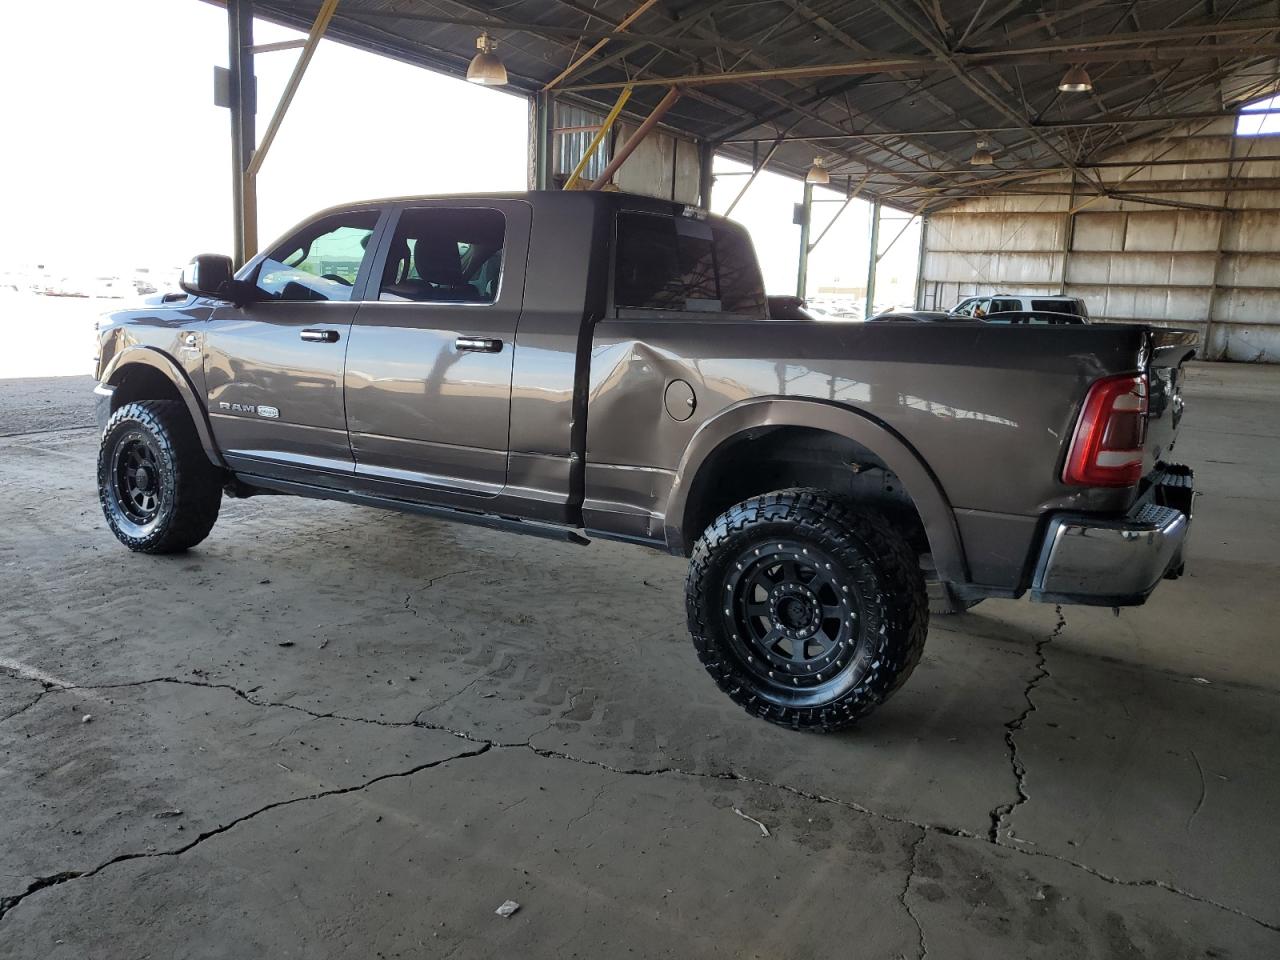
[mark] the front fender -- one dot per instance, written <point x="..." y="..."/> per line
<point x="136" y="355"/>
<point x="916" y="477"/>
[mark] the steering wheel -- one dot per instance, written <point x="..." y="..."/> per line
<point x="333" y="276"/>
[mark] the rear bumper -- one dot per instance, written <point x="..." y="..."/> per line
<point x="1118" y="562"/>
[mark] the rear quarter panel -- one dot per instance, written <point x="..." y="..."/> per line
<point x="988" y="409"/>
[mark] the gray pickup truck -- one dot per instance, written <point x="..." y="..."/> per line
<point x="577" y="365"/>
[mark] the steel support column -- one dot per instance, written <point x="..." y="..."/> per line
<point x="541" y="141"/>
<point x="706" y="180"/>
<point x="1224" y="223"/>
<point x="873" y="260"/>
<point x="1068" y="236"/>
<point x="921" y="249"/>
<point x="244" y="197"/>
<point x="802" y="273"/>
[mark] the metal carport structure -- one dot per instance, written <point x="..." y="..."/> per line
<point x="895" y="98"/>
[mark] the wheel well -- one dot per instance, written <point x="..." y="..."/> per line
<point x="775" y="458"/>
<point x="141" y="382"/>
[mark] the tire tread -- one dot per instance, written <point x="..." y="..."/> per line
<point x="197" y="483"/>
<point x="905" y="605"/>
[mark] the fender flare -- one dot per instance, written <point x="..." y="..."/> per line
<point x="916" y="478"/>
<point x="136" y="355"/>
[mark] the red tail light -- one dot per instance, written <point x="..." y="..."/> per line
<point x="1107" y="448"/>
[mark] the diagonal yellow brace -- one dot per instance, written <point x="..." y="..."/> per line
<point x="597" y="139"/>
<point x="291" y="88"/>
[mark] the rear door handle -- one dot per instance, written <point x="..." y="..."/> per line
<point x="320" y="336"/>
<point x="478" y="344"/>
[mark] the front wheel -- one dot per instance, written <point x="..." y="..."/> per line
<point x="159" y="492"/>
<point x="806" y="611"/>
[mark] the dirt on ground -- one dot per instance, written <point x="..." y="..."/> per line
<point x="331" y="731"/>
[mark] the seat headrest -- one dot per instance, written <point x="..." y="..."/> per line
<point x="437" y="261"/>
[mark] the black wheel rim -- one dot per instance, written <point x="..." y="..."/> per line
<point x="793" y="613"/>
<point x="135" y="470"/>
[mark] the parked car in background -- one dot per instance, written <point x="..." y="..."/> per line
<point x="1024" y="317"/>
<point x="983" y="307"/>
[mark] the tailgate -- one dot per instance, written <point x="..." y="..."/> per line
<point x="1169" y="350"/>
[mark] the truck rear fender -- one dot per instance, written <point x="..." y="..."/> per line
<point x="741" y="421"/>
<point x="141" y="373"/>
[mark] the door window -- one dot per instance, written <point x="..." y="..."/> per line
<point x="675" y="263"/>
<point x="320" y="262"/>
<point x="445" y="255"/>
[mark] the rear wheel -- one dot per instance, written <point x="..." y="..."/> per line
<point x="159" y="492"/>
<point x="804" y="610"/>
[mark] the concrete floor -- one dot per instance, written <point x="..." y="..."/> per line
<point x="337" y="732"/>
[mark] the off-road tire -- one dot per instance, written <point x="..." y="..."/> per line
<point x="853" y="553"/>
<point x="176" y="492"/>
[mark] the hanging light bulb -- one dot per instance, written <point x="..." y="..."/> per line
<point x="981" y="156"/>
<point x="817" y="173"/>
<point x="486" y="69"/>
<point x="1075" y="80"/>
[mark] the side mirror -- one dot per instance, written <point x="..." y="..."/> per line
<point x="208" y="275"/>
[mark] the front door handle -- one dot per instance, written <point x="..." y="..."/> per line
<point x="320" y="336"/>
<point x="478" y="344"/>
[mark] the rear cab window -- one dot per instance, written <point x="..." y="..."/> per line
<point x="676" y="264"/>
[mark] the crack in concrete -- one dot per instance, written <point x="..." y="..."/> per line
<point x="25" y="707"/>
<point x="547" y="753"/>
<point x="1204" y="790"/>
<point x="1001" y="812"/>
<point x="444" y="576"/>
<point x="906" y="889"/>
<point x="592" y="805"/>
<point x="45" y="687"/>
<point x="431" y="583"/>
<point x="459" y="692"/>
<point x="41" y="883"/>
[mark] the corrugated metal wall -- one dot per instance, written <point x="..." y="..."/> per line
<point x="1215" y="267"/>
<point x="662" y="166"/>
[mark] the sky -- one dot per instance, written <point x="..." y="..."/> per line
<point x="1260" y="117"/>
<point x="840" y="259"/>
<point x="119" y="158"/>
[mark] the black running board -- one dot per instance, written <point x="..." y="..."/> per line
<point x="531" y="528"/>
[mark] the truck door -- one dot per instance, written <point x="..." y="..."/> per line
<point x="273" y="368"/>
<point x="428" y="372"/>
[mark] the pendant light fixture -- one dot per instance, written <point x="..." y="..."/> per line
<point x="981" y="156"/>
<point x="486" y="69"/>
<point x="817" y="174"/>
<point x="1075" y="80"/>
